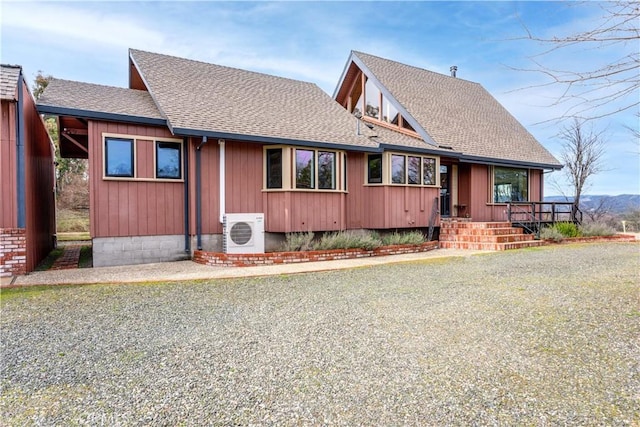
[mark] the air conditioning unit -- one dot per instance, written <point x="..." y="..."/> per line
<point x="243" y="233"/>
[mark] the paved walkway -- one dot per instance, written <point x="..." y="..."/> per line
<point x="69" y="258"/>
<point x="189" y="270"/>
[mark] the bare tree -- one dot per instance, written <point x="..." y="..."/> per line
<point x="605" y="89"/>
<point x="582" y="151"/>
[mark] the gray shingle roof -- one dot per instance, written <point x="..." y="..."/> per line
<point x="198" y="97"/>
<point x="9" y="81"/>
<point x="458" y="113"/>
<point x="93" y="98"/>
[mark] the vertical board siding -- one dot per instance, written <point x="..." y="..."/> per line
<point x="300" y="211"/>
<point x="389" y="206"/>
<point x="210" y="153"/>
<point x="39" y="185"/>
<point x="132" y="208"/>
<point x="244" y="177"/>
<point x="8" y="208"/>
<point x="480" y="197"/>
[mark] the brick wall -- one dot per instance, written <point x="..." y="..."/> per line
<point x="246" y="260"/>
<point x="13" y="252"/>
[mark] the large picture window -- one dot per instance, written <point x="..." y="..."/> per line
<point x="119" y="160"/>
<point x="510" y="185"/>
<point x="168" y="160"/>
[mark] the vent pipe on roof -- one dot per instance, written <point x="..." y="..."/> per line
<point x="453" y="69"/>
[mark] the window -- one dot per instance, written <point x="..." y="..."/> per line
<point x="397" y="169"/>
<point x="428" y="171"/>
<point x="291" y="168"/>
<point x="404" y="169"/>
<point x="168" y="160"/>
<point x="118" y="154"/>
<point x="274" y="168"/>
<point x="305" y="172"/>
<point x="374" y="169"/>
<point x="326" y="170"/>
<point x="510" y="185"/>
<point x="372" y="99"/>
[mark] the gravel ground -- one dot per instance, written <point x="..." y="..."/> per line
<point x="545" y="336"/>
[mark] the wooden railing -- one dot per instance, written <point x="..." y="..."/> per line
<point x="533" y="215"/>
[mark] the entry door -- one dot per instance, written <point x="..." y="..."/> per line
<point x="445" y="190"/>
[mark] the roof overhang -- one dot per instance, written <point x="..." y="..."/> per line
<point x="99" y="115"/>
<point x="506" y="162"/>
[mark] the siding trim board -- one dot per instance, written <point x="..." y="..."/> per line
<point x="20" y="157"/>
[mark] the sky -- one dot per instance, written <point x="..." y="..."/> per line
<point x="311" y="41"/>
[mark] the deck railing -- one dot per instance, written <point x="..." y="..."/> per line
<point x="533" y="215"/>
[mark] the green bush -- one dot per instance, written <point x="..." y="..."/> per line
<point x="298" y="242"/>
<point x="567" y="229"/>
<point x="409" y="238"/>
<point x="596" y="229"/>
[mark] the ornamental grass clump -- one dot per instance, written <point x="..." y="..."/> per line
<point x="343" y="240"/>
<point x="595" y="229"/>
<point x="567" y="229"/>
<point x="408" y="238"/>
<point x="298" y="242"/>
<point x="551" y="233"/>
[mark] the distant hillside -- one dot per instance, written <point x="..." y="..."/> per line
<point x="614" y="204"/>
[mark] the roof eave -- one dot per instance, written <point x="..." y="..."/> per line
<point x="271" y="140"/>
<point x="98" y="115"/>
<point x="506" y="162"/>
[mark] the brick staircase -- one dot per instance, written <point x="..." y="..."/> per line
<point x="492" y="236"/>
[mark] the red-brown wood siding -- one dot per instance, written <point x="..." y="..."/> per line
<point x="295" y="211"/>
<point x="210" y="176"/>
<point x="244" y="177"/>
<point x="8" y="208"/>
<point x="480" y="207"/>
<point x="380" y="207"/>
<point x="132" y="208"/>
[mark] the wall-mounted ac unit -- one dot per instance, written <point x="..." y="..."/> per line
<point x="243" y="233"/>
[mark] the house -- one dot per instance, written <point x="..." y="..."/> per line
<point x="190" y="142"/>
<point x="27" y="178"/>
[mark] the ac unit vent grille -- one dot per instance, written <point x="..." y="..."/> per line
<point x="240" y="233"/>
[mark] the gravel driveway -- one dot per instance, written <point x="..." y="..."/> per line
<point x="546" y="336"/>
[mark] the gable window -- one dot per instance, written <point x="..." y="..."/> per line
<point x="510" y="185"/>
<point x="274" y="168"/>
<point x="372" y="99"/>
<point x="168" y="160"/>
<point x="374" y="169"/>
<point x="119" y="160"/>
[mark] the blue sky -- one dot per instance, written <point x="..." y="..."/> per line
<point x="311" y="41"/>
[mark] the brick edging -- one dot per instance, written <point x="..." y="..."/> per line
<point x="218" y="259"/>
<point x="593" y="239"/>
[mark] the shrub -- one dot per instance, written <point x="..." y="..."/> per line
<point x="409" y="238"/>
<point x="343" y="240"/>
<point x="596" y="229"/>
<point x="298" y="242"/>
<point x="567" y="229"/>
<point x="551" y="233"/>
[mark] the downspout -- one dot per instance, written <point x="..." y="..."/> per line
<point x="221" y="143"/>
<point x="199" y="194"/>
<point x="186" y="151"/>
<point x="20" y="156"/>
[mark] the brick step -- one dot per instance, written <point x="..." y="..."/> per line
<point x="503" y="238"/>
<point x="492" y="246"/>
<point x="480" y="231"/>
<point x="457" y="224"/>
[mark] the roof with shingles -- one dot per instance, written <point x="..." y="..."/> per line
<point x="92" y="98"/>
<point x="200" y="98"/>
<point x="457" y="113"/>
<point x="9" y="75"/>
